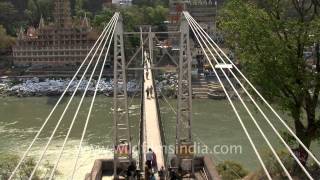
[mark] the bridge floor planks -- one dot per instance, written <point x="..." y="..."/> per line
<point x="152" y="136"/>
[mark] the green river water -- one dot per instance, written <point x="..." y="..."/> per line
<point x="214" y="123"/>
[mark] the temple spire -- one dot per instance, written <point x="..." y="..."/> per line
<point x="41" y="23"/>
<point x="21" y="33"/>
<point x="85" y="21"/>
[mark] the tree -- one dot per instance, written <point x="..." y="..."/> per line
<point x="5" y="40"/>
<point x="8" y="162"/>
<point x="156" y="15"/>
<point x="102" y="18"/>
<point x="270" y="40"/>
<point x="231" y="170"/>
<point x="38" y="8"/>
<point x="79" y="5"/>
<point x="92" y="6"/>
<point x="8" y="16"/>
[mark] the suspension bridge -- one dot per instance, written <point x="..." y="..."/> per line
<point x="184" y="162"/>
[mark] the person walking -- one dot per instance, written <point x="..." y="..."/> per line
<point x="151" y="91"/>
<point x="147" y="91"/>
<point x="149" y="158"/>
<point x="154" y="162"/>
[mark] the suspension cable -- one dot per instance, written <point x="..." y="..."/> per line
<point x="79" y="106"/>
<point x="264" y="100"/>
<point x="92" y="102"/>
<point x="260" y="110"/>
<point x="233" y="107"/>
<point x="247" y="109"/>
<point x="55" y="106"/>
<point x="195" y="135"/>
<point x="67" y="106"/>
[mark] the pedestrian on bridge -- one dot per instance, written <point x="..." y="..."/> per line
<point x="154" y="162"/>
<point x="147" y="91"/>
<point x="149" y="158"/>
<point x="151" y="91"/>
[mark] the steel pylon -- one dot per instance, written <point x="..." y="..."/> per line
<point x="122" y="137"/>
<point x="184" y="143"/>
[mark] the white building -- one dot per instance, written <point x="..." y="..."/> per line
<point x="122" y="2"/>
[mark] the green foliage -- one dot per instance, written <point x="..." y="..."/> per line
<point x="7" y="11"/>
<point x="102" y="18"/>
<point x="229" y="170"/>
<point x="5" y="40"/>
<point x="274" y="167"/>
<point x="133" y="16"/>
<point x="8" y="16"/>
<point x="38" y="8"/>
<point x="155" y="15"/>
<point x="270" y="39"/>
<point x="276" y="171"/>
<point x="9" y="162"/>
<point x="89" y="6"/>
<point x="79" y="5"/>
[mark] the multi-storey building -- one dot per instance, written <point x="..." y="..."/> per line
<point x="205" y="11"/>
<point x="61" y="43"/>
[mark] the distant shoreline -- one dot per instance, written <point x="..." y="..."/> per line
<point x="55" y="87"/>
<point x="42" y="87"/>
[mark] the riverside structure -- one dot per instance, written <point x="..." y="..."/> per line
<point x="59" y="44"/>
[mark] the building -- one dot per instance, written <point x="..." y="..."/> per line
<point x="205" y="11"/>
<point x="110" y="3"/>
<point x="62" y="43"/>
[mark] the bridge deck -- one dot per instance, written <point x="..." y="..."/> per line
<point x="152" y="133"/>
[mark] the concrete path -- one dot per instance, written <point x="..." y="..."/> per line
<point x="152" y="136"/>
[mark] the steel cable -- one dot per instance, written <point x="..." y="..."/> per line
<point x="232" y="105"/>
<point x="92" y="102"/>
<point x="260" y="110"/>
<point x="55" y="106"/>
<point x="66" y="108"/>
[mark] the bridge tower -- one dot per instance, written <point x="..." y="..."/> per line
<point x="122" y="137"/>
<point x="184" y="143"/>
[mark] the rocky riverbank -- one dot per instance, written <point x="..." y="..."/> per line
<point x="53" y="87"/>
<point x="166" y="85"/>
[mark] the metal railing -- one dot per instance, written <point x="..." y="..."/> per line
<point x="162" y="134"/>
<point x="141" y="134"/>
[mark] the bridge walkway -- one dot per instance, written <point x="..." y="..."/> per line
<point x="152" y="132"/>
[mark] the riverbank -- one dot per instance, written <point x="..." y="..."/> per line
<point x="53" y="87"/>
<point x="166" y="84"/>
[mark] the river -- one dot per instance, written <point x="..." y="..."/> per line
<point x="214" y="124"/>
